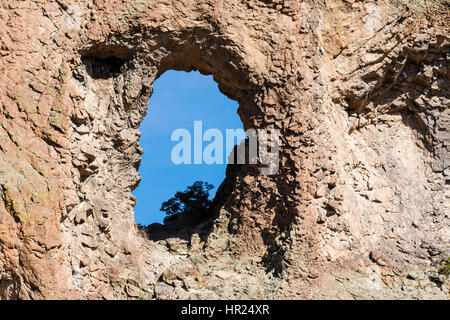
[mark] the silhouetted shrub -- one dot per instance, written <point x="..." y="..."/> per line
<point x="194" y="201"/>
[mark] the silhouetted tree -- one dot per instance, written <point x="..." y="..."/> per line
<point x="194" y="201"/>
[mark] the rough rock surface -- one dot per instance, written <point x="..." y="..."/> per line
<point x="358" y="89"/>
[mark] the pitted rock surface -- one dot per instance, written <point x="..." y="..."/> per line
<point x="359" y="91"/>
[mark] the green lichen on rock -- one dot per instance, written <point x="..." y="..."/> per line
<point x="444" y="268"/>
<point x="133" y="10"/>
<point x="428" y="7"/>
<point x="57" y="122"/>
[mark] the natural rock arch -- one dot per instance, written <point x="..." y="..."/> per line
<point x="343" y="200"/>
<point x="130" y="74"/>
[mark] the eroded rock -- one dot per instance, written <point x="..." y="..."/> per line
<point x="359" y="92"/>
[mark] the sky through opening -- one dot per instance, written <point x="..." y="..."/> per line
<point x="179" y="98"/>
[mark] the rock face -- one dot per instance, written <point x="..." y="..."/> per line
<point x="358" y="89"/>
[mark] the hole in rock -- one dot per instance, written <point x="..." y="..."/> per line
<point x="103" y="62"/>
<point x="190" y="104"/>
<point x="103" y="68"/>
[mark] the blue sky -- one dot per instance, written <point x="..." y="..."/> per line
<point x="179" y="98"/>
